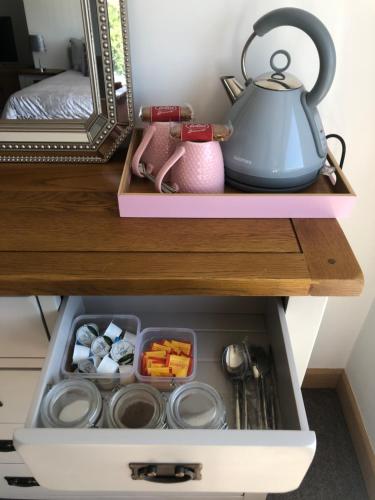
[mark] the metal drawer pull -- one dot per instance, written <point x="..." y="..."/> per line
<point x="166" y="473"/>
<point x="6" y="446"/>
<point x="21" y="482"/>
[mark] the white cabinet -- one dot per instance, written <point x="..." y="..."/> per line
<point x="23" y="338"/>
<point x="23" y="347"/>
<point x="16" y="393"/>
<point x="50" y="305"/>
<point x="233" y="462"/>
<point x="17" y="389"/>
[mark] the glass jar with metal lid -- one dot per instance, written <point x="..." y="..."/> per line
<point x="137" y="406"/>
<point x="196" y="406"/>
<point x="72" y="403"/>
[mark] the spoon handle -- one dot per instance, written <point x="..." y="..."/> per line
<point x="237" y="397"/>
<point x="258" y="404"/>
<point x="244" y="405"/>
<point x="264" y="403"/>
<point x="272" y="404"/>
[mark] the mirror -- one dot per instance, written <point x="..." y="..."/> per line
<point x="65" y="80"/>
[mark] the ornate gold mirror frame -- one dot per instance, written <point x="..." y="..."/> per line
<point x="98" y="137"/>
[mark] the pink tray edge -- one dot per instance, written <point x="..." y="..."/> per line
<point x="236" y="206"/>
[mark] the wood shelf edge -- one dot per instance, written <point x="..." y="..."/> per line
<point x="332" y="265"/>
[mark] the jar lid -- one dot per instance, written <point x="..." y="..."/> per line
<point x="137" y="406"/>
<point x="196" y="406"/>
<point x="72" y="403"/>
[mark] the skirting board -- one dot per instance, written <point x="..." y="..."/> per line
<point x="337" y="379"/>
<point x="322" y="378"/>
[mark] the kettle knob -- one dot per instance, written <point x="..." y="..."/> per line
<point x="279" y="70"/>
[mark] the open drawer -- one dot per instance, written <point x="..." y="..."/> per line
<point x="253" y="461"/>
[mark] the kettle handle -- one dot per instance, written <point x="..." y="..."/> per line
<point x="315" y="29"/>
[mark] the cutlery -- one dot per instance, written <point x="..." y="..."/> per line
<point x="235" y="364"/>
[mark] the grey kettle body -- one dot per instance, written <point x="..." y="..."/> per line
<point x="278" y="143"/>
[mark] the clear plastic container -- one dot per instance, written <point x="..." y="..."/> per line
<point x="105" y="381"/>
<point x="72" y="403"/>
<point x="137" y="406"/>
<point x="196" y="406"/>
<point x="145" y="339"/>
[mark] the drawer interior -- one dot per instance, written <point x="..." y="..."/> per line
<point x="218" y="322"/>
<point x="256" y="461"/>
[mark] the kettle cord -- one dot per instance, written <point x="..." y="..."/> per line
<point x="343" y="147"/>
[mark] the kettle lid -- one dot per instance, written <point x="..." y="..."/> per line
<point x="277" y="79"/>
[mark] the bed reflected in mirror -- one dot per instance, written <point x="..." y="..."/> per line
<point x="47" y="73"/>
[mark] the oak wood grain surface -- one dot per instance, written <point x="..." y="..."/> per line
<point x="60" y="233"/>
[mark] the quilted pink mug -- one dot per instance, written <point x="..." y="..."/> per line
<point x="155" y="148"/>
<point x="195" y="167"/>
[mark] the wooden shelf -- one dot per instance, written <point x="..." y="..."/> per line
<point x="61" y="234"/>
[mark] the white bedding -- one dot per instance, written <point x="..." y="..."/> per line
<point x="64" y="96"/>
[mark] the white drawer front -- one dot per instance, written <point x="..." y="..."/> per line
<point x="6" y="443"/>
<point x="11" y="473"/>
<point x="17" y="388"/>
<point x="232" y="461"/>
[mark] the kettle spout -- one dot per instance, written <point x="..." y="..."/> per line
<point x="233" y="88"/>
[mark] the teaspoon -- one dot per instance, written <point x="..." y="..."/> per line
<point x="235" y="364"/>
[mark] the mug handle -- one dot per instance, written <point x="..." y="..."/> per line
<point x="147" y="136"/>
<point x="179" y="153"/>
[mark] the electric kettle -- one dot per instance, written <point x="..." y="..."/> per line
<point x="278" y="143"/>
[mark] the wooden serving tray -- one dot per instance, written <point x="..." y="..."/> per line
<point x="138" y="198"/>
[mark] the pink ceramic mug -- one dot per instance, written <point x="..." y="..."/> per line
<point x="155" y="148"/>
<point x="195" y="167"/>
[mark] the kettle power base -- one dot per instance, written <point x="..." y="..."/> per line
<point x="257" y="189"/>
<point x="137" y="198"/>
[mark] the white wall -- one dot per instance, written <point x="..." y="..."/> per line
<point x="353" y="117"/>
<point x="179" y="50"/>
<point x="57" y="21"/>
<point x="361" y="373"/>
